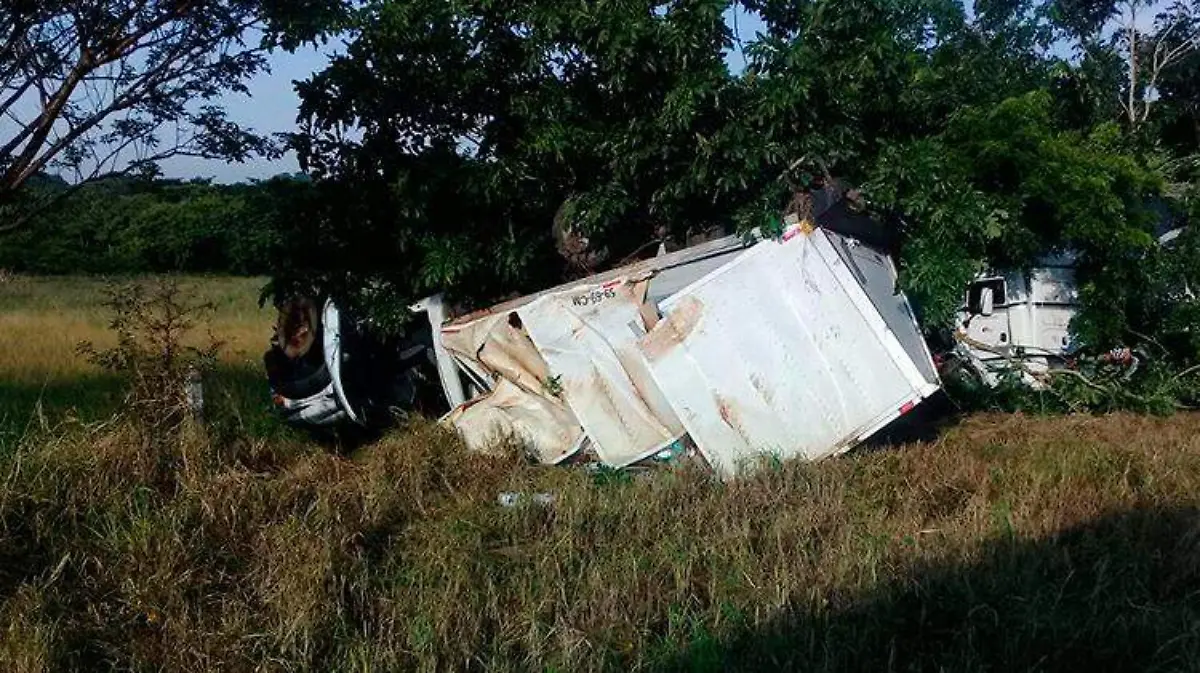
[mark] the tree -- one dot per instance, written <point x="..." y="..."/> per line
<point x="1179" y="99"/>
<point x="1006" y="184"/>
<point x="1152" y="41"/>
<point x="451" y="134"/>
<point x="128" y="225"/>
<point x="472" y="126"/>
<point x="1176" y="36"/>
<point x="96" y="87"/>
<point x="455" y="132"/>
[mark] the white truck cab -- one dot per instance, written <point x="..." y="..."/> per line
<point x="1019" y="317"/>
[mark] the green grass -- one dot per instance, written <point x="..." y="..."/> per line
<point x="26" y="405"/>
<point x="43" y="320"/>
<point x="1011" y="543"/>
<point x="1006" y="543"/>
<point x="234" y="298"/>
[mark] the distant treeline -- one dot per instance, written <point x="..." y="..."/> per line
<point x="135" y="225"/>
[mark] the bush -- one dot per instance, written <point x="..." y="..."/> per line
<point x="161" y="370"/>
<point x="137" y="226"/>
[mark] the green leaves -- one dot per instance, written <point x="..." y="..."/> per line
<point x="478" y="121"/>
<point x="131" y="226"/>
<point x="90" y="88"/>
<point x="1002" y="186"/>
<point x="456" y="139"/>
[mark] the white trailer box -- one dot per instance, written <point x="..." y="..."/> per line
<point x="575" y="346"/>
<point x="799" y="347"/>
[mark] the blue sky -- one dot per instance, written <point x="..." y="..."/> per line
<point x="271" y="105"/>
<point x="271" y="108"/>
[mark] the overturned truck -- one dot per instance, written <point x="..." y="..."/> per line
<point x="797" y="346"/>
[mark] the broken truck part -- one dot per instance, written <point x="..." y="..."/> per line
<point x="1019" y="321"/>
<point x="795" y="347"/>
<point x="788" y="350"/>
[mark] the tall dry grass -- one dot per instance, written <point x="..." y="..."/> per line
<point x="1010" y="543"/>
<point x="44" y="319"/>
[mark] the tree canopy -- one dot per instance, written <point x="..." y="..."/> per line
<point x="491" y="146"/>
<point x="464" y="135"/>
<point x="93" y="87"/>
<point x="129" y="225"/>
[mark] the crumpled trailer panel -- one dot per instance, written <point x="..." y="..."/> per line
<point x="575" y="347"/>
<point x="783" y="352"/>
<point x="576" y="350"/>
<point x="798" y="348"/>
<point x="589" y="338"/>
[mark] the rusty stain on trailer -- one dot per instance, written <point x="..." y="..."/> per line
<point x="674" y="329"/>
<point x="643" y="383"/>
<point x="727" y="412"/>
<point x="606" y="399"/>
<point x="732" y="416"/>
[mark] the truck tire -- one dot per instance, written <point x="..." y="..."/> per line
<point x="959" y="370"/>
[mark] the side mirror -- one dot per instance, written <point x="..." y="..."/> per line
<point x="987" y="302"/>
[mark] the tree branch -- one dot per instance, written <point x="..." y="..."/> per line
<point x="8" y="50"/>
<point x="96" y="175"/>
<point x="1164" y="58"/>
<point x="28" y="163"/>
<point x="17" y="94"/>
<point x="41" y="129"/>
<point x="1131" y="35"/>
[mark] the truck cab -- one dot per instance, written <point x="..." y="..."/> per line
<point x="1019" y="318"/>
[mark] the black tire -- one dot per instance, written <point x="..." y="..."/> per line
<point x="958" y="370"/>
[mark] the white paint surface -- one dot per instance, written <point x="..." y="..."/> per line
<point x="779" y="352"/>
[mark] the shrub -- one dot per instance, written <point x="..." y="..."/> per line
<point x="152" y="323"/>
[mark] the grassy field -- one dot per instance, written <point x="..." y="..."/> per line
<point x="43" y="320"/>
<point x="1012" y="543"/>
<point x="1009" y="542"/>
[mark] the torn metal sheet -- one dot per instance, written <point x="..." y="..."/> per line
<point x="667" y="273"/>
<point x="780" y="352"/>
<point x="490" y="345"/>
<point x="588" y="337"/>
<point x="499" y="345"/>
<point x="548" y="429"/>
<point x="498" y="355"/>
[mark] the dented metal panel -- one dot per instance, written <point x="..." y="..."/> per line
<point x="588" y="337"/>
<point x="780" y="352"/>
<point x="546" y="427"/>
<point x="497" y="353"/>
<point x="778" y="349"/>
<point x="668" y="274"/>
<point x="499" y="345"/>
